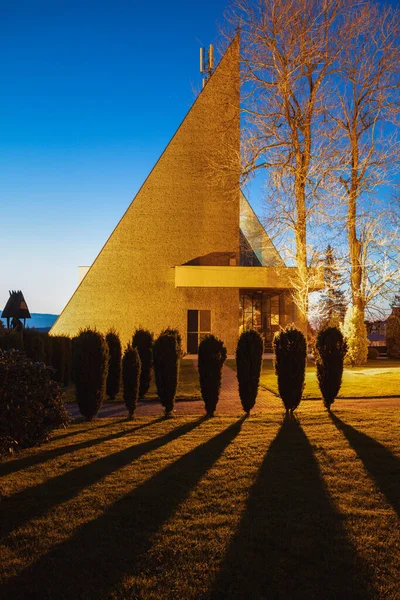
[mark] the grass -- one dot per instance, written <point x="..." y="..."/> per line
<point x="193" y="508"/>
<point x="379" y="378"/>
<point x="188" y="387"/>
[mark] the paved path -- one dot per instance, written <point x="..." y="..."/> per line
<point x="229" y="402"/>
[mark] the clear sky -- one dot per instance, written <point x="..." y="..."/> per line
<point x="90" y="94"/>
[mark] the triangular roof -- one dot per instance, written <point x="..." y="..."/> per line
<point x="16" y="307"/>
<point x="187" y="207"/>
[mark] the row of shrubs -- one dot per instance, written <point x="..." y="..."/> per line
<point x="38" y="346"/>
<point x="31" y="401"/>
<point x="99" y="367"/>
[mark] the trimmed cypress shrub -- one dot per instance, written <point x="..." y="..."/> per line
<point x="290" y="350"/>
<point x="68" y="361"/>
<point x="212" y="355"/>
<point x="330" y="350"/>
<point x="90" y="364"/>
<point x="34" y="342"/>
<point x="114" y="364"/>
<point x="131" y="368"/>
<point x="143" y="340"/>
<point x="58" y="357"/>
<point x="175" y="332"/>
<point x="249" y="353"/>
<point x="166" y="358"/>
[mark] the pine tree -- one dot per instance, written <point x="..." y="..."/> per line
<point x="395" y="306"/>
<point x="333" y="304"/>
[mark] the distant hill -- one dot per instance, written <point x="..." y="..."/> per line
<point x="40" y="321"/>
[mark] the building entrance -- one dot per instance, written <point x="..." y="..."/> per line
<point x="262" y="311"/>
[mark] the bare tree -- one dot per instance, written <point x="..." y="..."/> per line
<point x="289" y="50"/>
<point x="365" y="113"/>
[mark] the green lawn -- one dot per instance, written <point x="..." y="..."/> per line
<point x="207" y="509"/>
<point x="377" y="379"/>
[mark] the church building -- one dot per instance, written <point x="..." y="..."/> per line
<point x="189" y="252"/>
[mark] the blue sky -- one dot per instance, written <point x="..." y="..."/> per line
<point x="90" y="94"/>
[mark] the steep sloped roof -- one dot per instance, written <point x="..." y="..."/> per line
<point x="16" y="306"/>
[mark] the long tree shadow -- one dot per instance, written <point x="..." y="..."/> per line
<point x="38" y="500"/>
<point x="11" y="466"/>
<point x="381" y="464"/>
<point x="291" y="543"/>
<point x="93" y="562"/>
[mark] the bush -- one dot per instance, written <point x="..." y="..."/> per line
<point x="58" y="357"/>
<point x="90" y="364"/>
<point x="355" y="334"/>
<point x="393" y="336"/>
<point x="34" y="343"/>
<point x="175" y="332"/>
<point x="249" y="353"/>
<point x="143" y="341"/>
<point x="166" y="357"/>
<point x="114" y="364"/>
<point x="131" y="368"/>
<point x="31" y="403"/>
<point x="68" y="361"/>
<point x="373" y="353"/>
<point x="330" y="350"/>
<point x="290" y="351"/>
<point x="212" y="355"/>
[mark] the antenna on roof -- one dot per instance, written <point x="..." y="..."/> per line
<point x="206" y="63"/>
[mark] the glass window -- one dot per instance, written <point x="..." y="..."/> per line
<point x="193" y="320"/>
<point x="205" y="321"/>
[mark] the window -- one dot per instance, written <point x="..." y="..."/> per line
<point x="261" y="311"/>
<point x="198" y="326"/>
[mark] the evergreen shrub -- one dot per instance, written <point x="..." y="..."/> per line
<point x="31" y="403"/>
<point x="143" y="340"/>
<point x="212" y="355"/>
<point x="330" y="350"/>
<point x="373" y="353"/>
<point x="59" y="357"/>
<point x="114" y="364"/>
<point x="35" y="345"/>
<point x="166" y="358"/>
<point x="355" y="334"/>
<point x="249" y="353"/>
<point x="393" y="336"/>
<point x="175" y="332"/>
<point x="290" y="355"/>
<point x="90" y="365"/>
<point x="131" y="368"/>
<point x="68" y="361"/>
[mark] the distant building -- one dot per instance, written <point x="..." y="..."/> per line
<point x="189" y="252"/>
<point x="376" y="330"/>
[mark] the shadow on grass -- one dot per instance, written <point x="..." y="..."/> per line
<point x="93" y="562"/>
<point x="13" y="465"/>
<point x="38" y="500"/>
<point x="381" y="464"/>
<point x="291" y="543"/>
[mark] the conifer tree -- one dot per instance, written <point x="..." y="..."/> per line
<point x="355" y="334"/>
<point x="333" y="305"/>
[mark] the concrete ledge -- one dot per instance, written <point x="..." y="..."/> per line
<point x="277" y="278"/>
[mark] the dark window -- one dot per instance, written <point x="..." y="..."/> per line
<point x="199" y="325"/>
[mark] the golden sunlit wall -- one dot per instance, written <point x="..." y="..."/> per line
<point x="187" y="207"/>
